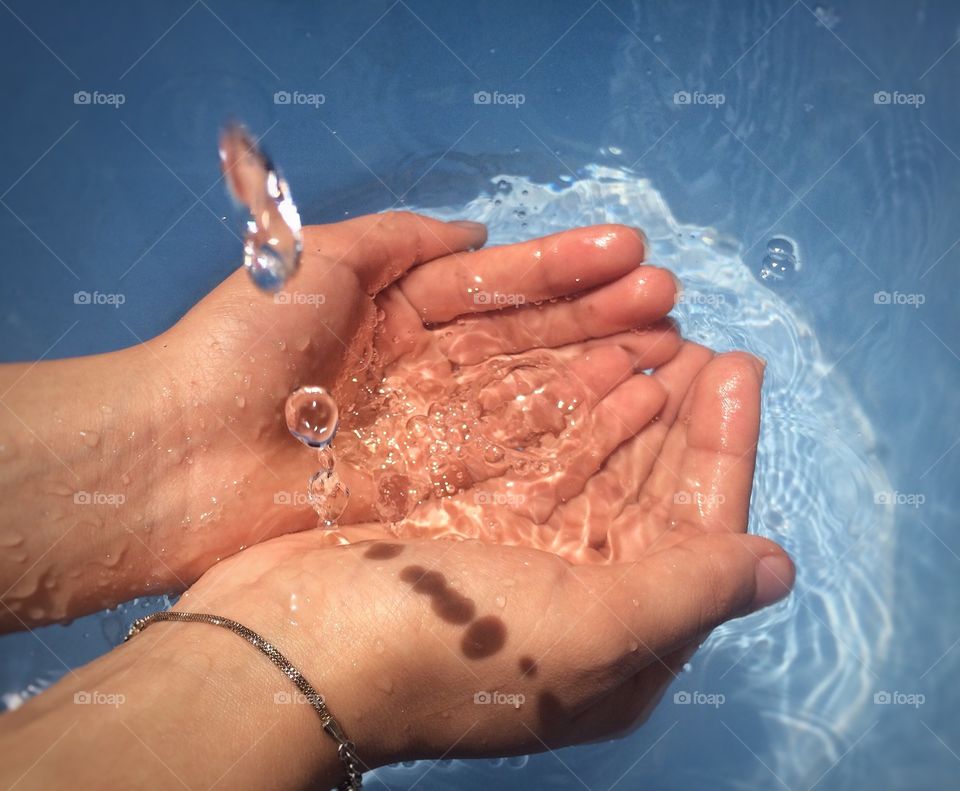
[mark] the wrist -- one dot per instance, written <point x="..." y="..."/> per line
<point x="85" y="469"/>
<point x="187" y="702"/>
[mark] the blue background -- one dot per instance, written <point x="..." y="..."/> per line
<point x="128" y="200"/>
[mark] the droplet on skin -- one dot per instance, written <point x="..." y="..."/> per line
<point x="10" y="539"/>
<point x="90" y="438"/>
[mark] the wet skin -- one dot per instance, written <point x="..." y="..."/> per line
<point x="398" y="629"/>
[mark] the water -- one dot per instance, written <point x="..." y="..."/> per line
<point x="781" y="259"/>
<point x="802" y="470"/>
<point x="312" y="416"/>
<point x="272" y="242"/>
<point x="799" y="150"/>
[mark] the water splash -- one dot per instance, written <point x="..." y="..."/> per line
<point x="502" y="432"/>
<point x="312" y="418"/>
<point x="273" y="240"/>
<point x="805" y="667"/>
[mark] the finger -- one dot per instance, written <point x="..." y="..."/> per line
<point x="579" y="376"/>
<point x="400" y="333"/>
<point x="541" y="269"/>
<point x="671" y="597"/>
<point x="638" y="299"/>
<point x="616" y="418"/>
<point x="658" y="445"/>
<point x="636" y="468"/>
<point x="380" y="248"/>
<point x="719" y="427"/>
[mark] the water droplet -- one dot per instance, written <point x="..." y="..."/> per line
<point x="396" y="496"/>
<point x="312" y="416"/>
<point x="10" y="539"/>
<point x="328" y="496"/>
<point x="273" y="239"/>
<point x="90" y="438"/>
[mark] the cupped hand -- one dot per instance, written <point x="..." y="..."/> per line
<point x="466" y="648"/>
<point x="429" y="648"/>
<point x="411" y="300"/>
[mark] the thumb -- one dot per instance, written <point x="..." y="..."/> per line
<point x="676" y="596"/>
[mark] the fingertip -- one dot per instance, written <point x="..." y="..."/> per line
<point x="477" y="231"/>
<point x="658" y="288"/>
<point x="630" y="242"/>
<point x="775" y="575"/>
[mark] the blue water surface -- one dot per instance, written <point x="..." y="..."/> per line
<point x="834" y="127"/>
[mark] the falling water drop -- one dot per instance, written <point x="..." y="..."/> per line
<point x="312" y="416"/>
<point x="328" y="496"/>
<point x="273" y="240"/>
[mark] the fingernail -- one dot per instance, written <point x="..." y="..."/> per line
<point x="775" y="575"/>
<point x="468" y="224"/>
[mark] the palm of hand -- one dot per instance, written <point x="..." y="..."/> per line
<point x="657" y="465"/>
<point x="441" y="326"/>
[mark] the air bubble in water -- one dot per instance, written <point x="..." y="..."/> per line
<point x="780" y="260"/>
<point x="312" y="416"/>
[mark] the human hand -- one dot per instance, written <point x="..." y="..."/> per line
<point x="177" y="452"/>
<point x="583" y="650"/>
<point x="396" y="297"/>
<point x="429" y="648"/>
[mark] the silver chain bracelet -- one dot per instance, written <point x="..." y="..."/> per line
<point x="345" y="748"/>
